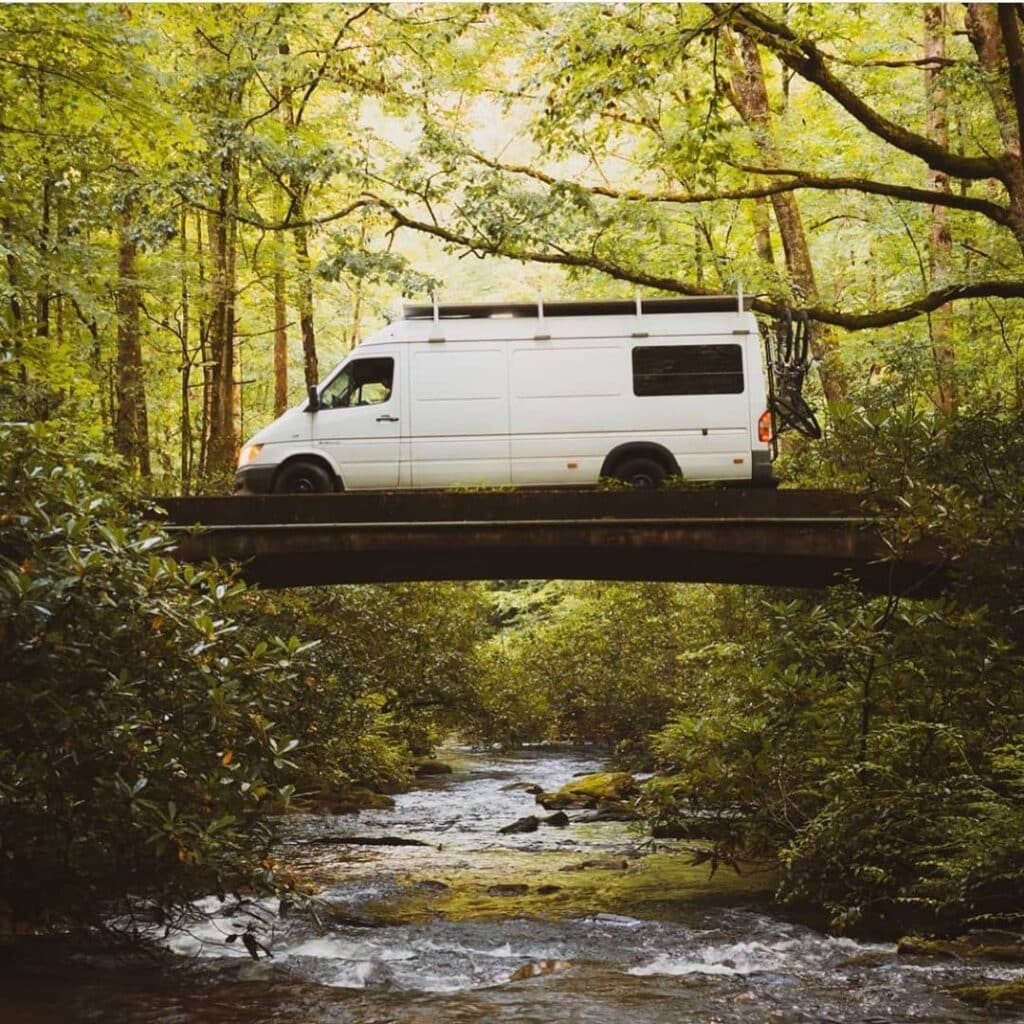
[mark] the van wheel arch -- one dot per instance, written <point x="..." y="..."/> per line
<point x="617" y="457"/>
<point x="320" y="465"/>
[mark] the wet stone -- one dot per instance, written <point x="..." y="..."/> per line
<point x="599" y="865"/>
<point x="528" y="824"/>
<point x="508" y="890"/>
<point x="431" y="885"/>
<point x="539" y="968"/>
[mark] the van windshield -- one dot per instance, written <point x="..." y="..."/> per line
<point x="361" y="382"/>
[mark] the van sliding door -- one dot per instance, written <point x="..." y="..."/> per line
<point x="459" y="415"/>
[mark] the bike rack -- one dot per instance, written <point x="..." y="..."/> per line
<point x="788" y="362"/>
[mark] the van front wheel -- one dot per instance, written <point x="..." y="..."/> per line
<point x="640" y="473"/>
<point x="303" y="477"/>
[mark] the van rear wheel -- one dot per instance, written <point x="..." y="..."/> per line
<point x="641" y="473"/>
<point x="303" y="477"/>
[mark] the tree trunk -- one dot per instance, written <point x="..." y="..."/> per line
<point x="221" y="229"/>
<point x="203" y="321"/>
<point x="12" y="279"/>
<point x="304" y="293"/>
<point x="750" y="96"/>
<point x="45" y="243"/>
<point x="130" y="421"/>
<point x="305" y="296"/>
<point x="994" y="31"/>
<point x="940" y="244"/>
<point x="280" y="336"/>
<point x="186" y="366"/>
<point x="763" y="232"/>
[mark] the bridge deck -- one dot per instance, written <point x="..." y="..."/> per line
<point x="726" y="535"/>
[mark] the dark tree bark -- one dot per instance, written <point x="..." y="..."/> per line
<point x="131" y="431"/>
<point x="206" y="362"/>
<point x="940" y="243"/>
<point x="280" y="335"/>
<point x="186" y="365"/>
<point x="750" y="96"/>
<point x="222" y="234"/>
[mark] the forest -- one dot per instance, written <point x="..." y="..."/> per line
<point x="204" y="207"/>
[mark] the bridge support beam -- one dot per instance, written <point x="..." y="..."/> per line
<point x="794" y="538"/>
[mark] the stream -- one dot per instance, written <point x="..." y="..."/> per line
<point x="584" y="923"/>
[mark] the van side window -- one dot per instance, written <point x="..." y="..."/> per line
<point x="362" y="382"/>
<point x="688" y="370"/>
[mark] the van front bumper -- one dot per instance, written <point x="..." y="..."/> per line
<point x="254" y="479"/>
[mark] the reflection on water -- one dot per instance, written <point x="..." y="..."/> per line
<point x="700" y="962"/>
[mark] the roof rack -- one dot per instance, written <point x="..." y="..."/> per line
<point x="585" y="307"/>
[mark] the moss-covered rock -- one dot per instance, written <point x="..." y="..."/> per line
<point x="350" y="801"/>
<point x="1002" y="995"/>
<point x="656" y="886"/>
<point x="428" y="766"/>
<point x="966" y="948"/>
<point x="591" y="792"/>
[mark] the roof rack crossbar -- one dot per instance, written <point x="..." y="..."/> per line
<point x="585" y="307"/>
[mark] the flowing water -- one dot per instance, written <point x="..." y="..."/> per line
<point x="577" y="924"/>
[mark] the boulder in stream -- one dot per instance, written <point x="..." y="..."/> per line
<point x="591" y="792"/>
<point x="538" y="968"/>
<point x="528" y="824"/>
<point x="350" y="801"/>
<point x="428" y="766"/>
<point x="508" y="890"/>
<point x="967" y="947"/>
<point x="600" y="865"/>
<point x="616" y="812"/>
<point x="559" y="819"/>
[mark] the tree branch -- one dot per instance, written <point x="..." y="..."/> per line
<point x="850" y="321"/>
<point x="286" y="224"/>
<point x="797" y="180"/>
<point x="803" y="57"/>
<point x="1008" y="22"/>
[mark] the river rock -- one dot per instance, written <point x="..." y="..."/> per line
<point x="559" y="819"/>
<point x="966" y="948"/>
<point x="526" y="787"/>
<point x="431" y="885"/>
<point x="617" y="812"/>
<point x="591" y="792"/>
<point x="527" y="824"/>
<point x="431" y="767"/>
<point x="365" y="841"/>
<point x="1002" y="995"/>
<point x="350" y="801"/>
<point x="600" y="865"/>
<point x="508" y="890"/>
<point x="538" y="968"/>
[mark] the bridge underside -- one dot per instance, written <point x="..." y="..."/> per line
<point x="776" y="538"/>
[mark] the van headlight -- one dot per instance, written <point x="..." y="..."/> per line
<point x="248" y="454"/>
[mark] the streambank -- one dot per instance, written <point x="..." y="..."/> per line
<point x="575" y="923"/>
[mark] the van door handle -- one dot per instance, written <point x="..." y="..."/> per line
<point x="387" y="419"/>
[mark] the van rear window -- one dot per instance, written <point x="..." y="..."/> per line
<point x="688" y="370"/>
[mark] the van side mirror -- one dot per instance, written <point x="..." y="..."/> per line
<point x="314" y="399"/>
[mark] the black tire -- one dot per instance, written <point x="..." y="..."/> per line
<point x="641" y="473"/>
<point x="303" y="477"/>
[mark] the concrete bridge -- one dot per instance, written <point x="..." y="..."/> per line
<point x="712" y="535"/>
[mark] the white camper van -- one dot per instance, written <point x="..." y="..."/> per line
<point x="532" y="395"/>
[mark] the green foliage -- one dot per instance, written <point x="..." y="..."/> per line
<point x="157" y="716"/>
<point x="601" y="670"/>
<point x="395" y="669"/>
<point x="874" y="743"/>
<point x="143" y="738"/>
